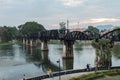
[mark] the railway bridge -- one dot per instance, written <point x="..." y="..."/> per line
<point x="68" y="38"/>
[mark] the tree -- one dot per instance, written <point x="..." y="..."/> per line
<point x="62" y="25"/>
<point x="8" y="33"/>
<point x="30" y="27"/>
<point x="94" y="31"/>
<point x="116" y="27"/>
<point x="103" y="52"/>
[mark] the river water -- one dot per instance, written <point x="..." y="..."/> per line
<point x="17" y="60"/>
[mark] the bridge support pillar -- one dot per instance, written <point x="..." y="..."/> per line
<point x="32" y="43"/>
<point x="24" y="41"/>
<point x="27" y="42"/>
<point x="44" y="45"/>
<point x="68" y="49"/>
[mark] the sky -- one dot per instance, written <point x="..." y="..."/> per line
<point x="49" y="13"/>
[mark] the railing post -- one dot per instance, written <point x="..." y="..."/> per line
<point x="59" y="69"/>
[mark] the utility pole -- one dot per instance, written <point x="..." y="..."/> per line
<point x="67" y="24"/>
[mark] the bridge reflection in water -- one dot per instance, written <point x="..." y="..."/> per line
<point x="42" y="59"/>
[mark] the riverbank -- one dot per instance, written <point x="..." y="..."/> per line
<point x="76" y="42"/>
<point x="5" y="43"/>
<point x="102" y="75"/>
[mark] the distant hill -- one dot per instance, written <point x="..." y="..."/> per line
<point x="107" y="27"/>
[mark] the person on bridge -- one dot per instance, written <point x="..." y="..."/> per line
<point x="88" y="67"/>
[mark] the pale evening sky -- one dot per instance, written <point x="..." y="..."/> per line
<point x="50" y="12"/>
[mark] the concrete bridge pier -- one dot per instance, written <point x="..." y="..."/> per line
<point x="68" y="49"/>
<point x="33" y="43"/>
<point x="44" y="45"/>
<point x="27" y="42"/>
<point x="24" y="41"/>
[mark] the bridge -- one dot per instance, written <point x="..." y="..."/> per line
<point x="68" y="38"/>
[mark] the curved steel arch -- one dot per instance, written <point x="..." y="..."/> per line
<point x="113" y="35"/>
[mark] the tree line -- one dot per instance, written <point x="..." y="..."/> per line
<point x="7" y="33"/>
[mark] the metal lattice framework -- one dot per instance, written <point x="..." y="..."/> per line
<point x="58" y="35"/>
<point x="113" y="35"/>
<point x="76" y="35"/>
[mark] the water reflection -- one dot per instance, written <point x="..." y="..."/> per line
<point x="46" y="63"/>
<point x="67" y="64"/>
<point x="6" y="51"/>
<point x="40" y="59"/>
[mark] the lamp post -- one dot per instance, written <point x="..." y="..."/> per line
<point x="59" y="69"/>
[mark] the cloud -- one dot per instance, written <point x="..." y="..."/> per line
<point x="94" y="21"/>
<point x="88" y="22"/>
<point x="100" y="20"/>
<point x="72" y="3"/>
<point x="5" y="1"/>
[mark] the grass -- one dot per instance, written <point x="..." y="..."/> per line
<point x="110" y="78"/>
<point x="98" y="75"/>
<point x="5" y="43"/>
<point x="54" y="42"/>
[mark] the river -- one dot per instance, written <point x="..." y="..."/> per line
<point x="17" y="60"/>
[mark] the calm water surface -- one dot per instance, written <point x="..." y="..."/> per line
<point x="16" y="60"/>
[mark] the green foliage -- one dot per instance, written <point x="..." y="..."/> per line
<point x="104" y="43"/>
<point x="88" y="76"/>
<point x="116" y="27"/>
<point x="62" y="25"/>
<point x="54" y="42"/>
<point x="30" y="27"/>
<point x="103" y="52"/>
<point x="94" y="31"/>
<point x="8" y="33"/>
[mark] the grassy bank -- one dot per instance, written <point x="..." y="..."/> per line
<point x="76" y="42"/>
<point x="99" y="75"/>
<point x="5" y="43"/>
<point x="54" y="42"/>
